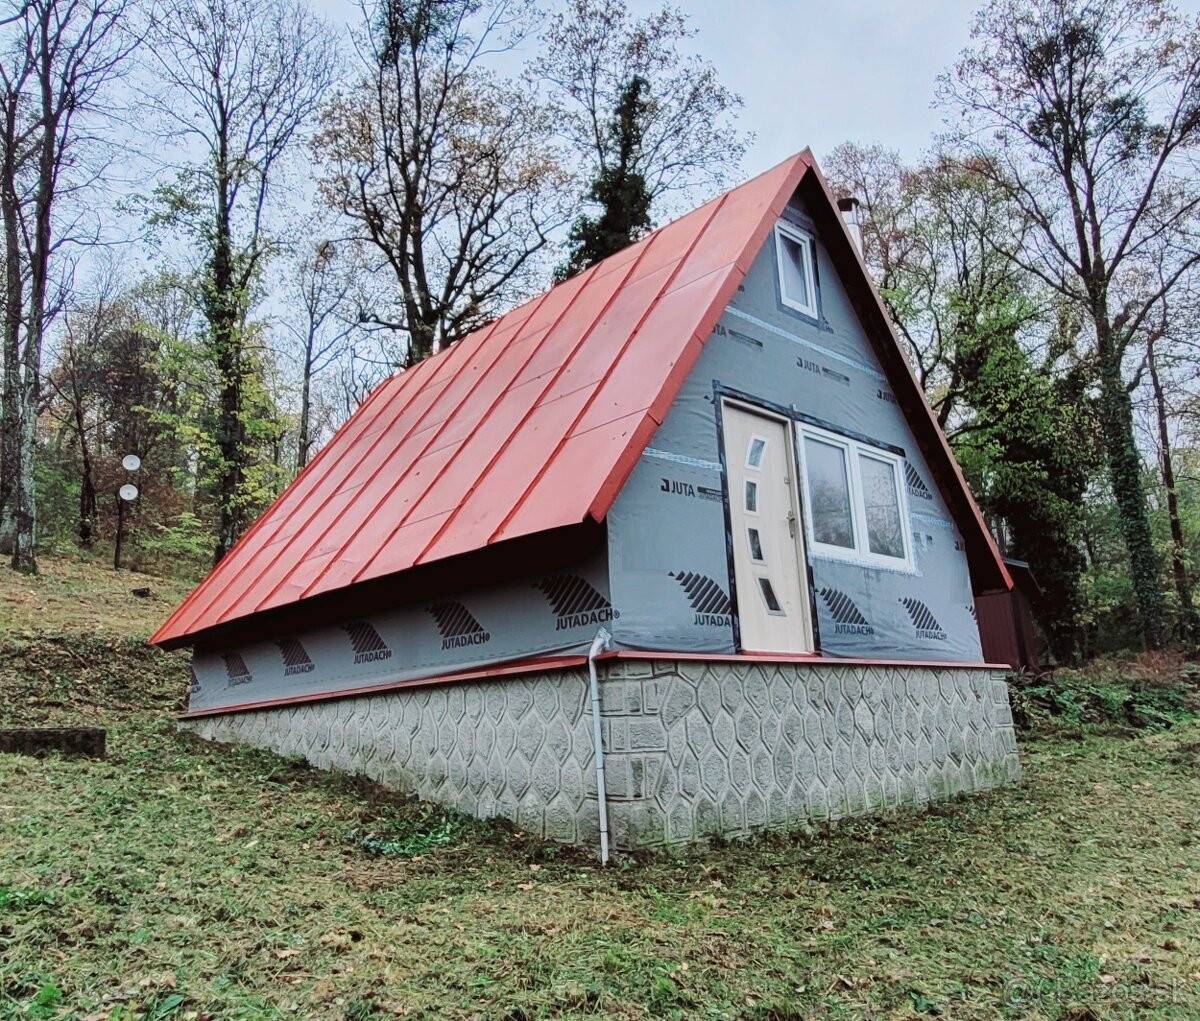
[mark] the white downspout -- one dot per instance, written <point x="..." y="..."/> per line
<point x="599" y="644"/>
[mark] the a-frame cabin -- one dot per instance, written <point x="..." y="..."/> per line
<point x="710" y="451"/>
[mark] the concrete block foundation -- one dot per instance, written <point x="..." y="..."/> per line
<point x="692" y="747"/>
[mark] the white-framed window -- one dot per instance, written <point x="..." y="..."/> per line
<point x="854" y="500"/>
<point x="797" y="280"/>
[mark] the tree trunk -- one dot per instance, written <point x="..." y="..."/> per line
<point x="303" y="441"/>
<point x="14" y="308"/>
<point x="1187" y="613"/>
<point x="231" y="443"/>
<point x="87" y="480"/>
<point x="225" y="322"/>
<point x="1125" y="476"/>
<point x="23" y="558"/>
<point x="39" y="279"/>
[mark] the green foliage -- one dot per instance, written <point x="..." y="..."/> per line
<point x="12" y="899"/>
<point x="423" y="830"/>
<point x="1012" y="451"/>
<point x="619" y="189"/>
<point x="192" y="419"/>
<point x="996" y="357"/>
<point x="142" y="377"/>
<point x="185" y="543"/>
<point x="46" y="1003"/>
<point x="1074" y="109"/>
<point x="1110" y="695"/>
<point x="56" y="476"/>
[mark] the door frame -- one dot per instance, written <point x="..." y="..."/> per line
<point x="723" y="395"/>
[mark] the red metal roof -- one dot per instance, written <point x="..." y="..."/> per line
<point x="531" y="423"/>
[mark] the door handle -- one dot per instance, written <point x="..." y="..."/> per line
<point x="792" y="524"/>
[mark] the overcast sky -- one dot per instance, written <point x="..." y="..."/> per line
<point x="818" y="72"/>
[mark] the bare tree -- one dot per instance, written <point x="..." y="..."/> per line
<point x="1183" y="588"/>
<point x="14" y="156"/>
<point x="1170" y="362"/>
<point x="76" y="385"/>
<point x="688" y="141"/>
<point x="1087" y="112"/>
<point x="241" y="80"/>
<point x="999" y="366"/>
<point x="59" y="58"/>
<point x="322" y="289"/>
<point x="928" y="236"/>
<point x="359" y="372"/>
<point x="443" y="168"/>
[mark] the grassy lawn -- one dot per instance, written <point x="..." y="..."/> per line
<point x="86" y="595"/>
<point x="181" y="880"/>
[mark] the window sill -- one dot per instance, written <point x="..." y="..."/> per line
<point x="853" y="560"/>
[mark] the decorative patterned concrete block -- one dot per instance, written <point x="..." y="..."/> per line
<point x="691" y="748"/>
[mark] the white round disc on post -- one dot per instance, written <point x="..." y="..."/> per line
<point x="131" y="463"/>
<point x="128" y="492"/>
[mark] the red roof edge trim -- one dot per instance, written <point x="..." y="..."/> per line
<point x="541" y="553"/>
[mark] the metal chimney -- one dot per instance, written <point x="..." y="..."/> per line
<point x="851" y="210"/>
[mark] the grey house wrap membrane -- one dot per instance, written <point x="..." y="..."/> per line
<point x="668" y="527"/>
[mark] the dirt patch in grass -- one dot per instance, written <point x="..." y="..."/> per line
<point x="73" y="646"/>
<point x="63" y="679"/>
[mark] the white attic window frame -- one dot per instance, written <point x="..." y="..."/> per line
<point x="805" y="245"/>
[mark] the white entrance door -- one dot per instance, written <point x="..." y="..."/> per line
<point x="768" y="542"/>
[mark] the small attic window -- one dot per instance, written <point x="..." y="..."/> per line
<point x="797" y="281"/>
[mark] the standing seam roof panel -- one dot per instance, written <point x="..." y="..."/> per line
<point x="514" y="405"/>
<point x="420" y="457"/>
<point x="657" y="346"/>
<point x="561" y="395"/>
<point x="394" y="396"/>
<point x="323" y="533"/>
<point x="265" y="531"/>
<point x="473" y="514"/>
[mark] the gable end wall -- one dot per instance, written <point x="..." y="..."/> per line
<point x="667" y="528"/>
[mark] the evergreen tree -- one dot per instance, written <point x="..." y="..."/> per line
<point x="1030" y="480"/>
<point x="619" y="189"/>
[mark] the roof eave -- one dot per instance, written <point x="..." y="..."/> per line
<point x="549" y="550"/>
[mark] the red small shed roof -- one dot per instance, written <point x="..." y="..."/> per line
<point x="529" y="424"/>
